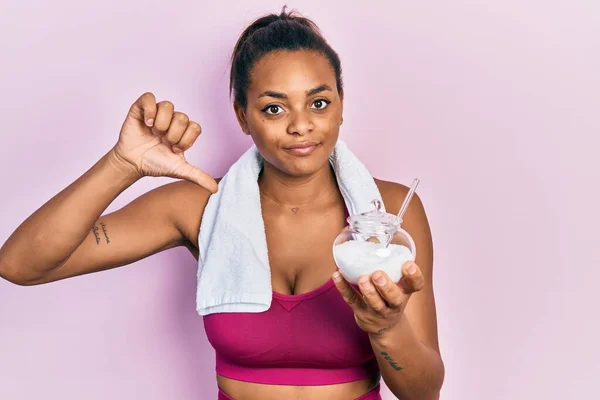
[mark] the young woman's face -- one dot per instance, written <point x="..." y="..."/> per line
<point x="293" y="100"/>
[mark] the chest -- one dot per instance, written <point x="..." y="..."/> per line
<point x="300" y="249"/>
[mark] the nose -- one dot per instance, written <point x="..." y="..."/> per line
<point x="300" y="124"/>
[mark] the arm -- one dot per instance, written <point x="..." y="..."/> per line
<point x="408" y="353"/>
<point x="67" y="236"/>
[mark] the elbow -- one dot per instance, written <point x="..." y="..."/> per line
<point x="13" y="275"/>
<point x="437" y="380"/>
<point x="428" y="386"/>
<point x="436" y="375"/>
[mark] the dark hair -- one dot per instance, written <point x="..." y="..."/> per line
<point x="272" y="32"/>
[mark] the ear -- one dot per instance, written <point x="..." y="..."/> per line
<point x="240" y="114"/>
<point x="342" y="107"/>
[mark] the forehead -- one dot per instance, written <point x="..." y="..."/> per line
<point x="290" y="71"/>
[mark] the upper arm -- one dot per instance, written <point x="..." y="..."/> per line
<point x="189" y="211"/>
<point x="147" y="225"/>
<point x="420" y="310"/>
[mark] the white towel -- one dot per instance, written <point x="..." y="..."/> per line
<point x="233" y="266"/>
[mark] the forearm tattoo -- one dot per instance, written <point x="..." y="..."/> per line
<point x="95" y="229"/>
<point x="391" y="361"/>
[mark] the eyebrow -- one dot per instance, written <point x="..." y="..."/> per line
<point x="311" y="92"/>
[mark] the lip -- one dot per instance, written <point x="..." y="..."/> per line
<point x="302" y="149"/>
<point x="302" y="145"/>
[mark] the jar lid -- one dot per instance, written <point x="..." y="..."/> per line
<point x="374" y="221"/>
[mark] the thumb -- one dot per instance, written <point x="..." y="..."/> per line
<point x="412" y="278"/>
<point x="189" y="172"/>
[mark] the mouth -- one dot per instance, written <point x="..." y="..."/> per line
<point x="302" y="149"/>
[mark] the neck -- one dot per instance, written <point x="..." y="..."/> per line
<point x="298" y="192"/>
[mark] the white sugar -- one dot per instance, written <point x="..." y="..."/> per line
<point x="356" y="258"/>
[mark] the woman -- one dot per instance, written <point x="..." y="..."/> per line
<point x="288" y="96"/>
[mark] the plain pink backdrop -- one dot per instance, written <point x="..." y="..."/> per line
<point x="494" y="105"/>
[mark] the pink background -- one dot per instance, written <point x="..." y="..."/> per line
<point x="492" y="104"/>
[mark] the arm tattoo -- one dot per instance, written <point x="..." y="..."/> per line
<point x="95" y="230"/>
<point x="105" y="233"/>
<point x="391" y="361"/>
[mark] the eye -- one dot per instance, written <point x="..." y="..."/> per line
<point x="272" y="109"/>
<point x="321" y="104"/>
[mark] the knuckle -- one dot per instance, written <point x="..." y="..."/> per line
<point x="396" y="303"/>
<point x="195" y="127"/>
<point x="161" y="126"/>
<point x="352" y="299"/>
<point x="417" y="285"/>
<point x="187" y="141"/>
<point x="174" y="134"/>
<point x="378" y="308"/>
<point x="148" y="96"/>
<point x="167" y="104"/>
<point x="184" y="144"/>
<point x="169" y="140"/>
<point x="360" y="319"/>
<point x="181" y="117"/>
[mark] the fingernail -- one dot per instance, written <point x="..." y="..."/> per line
<point x="411" y="269"/>
<point x="337" y="277"/>
<point x="177" y="149"/>
<point x="379" y="279"/>
<point x="149" y="121"/>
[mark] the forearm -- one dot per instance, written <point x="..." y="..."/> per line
<point x="50" y="235"/>
<point x="409" y="368"/>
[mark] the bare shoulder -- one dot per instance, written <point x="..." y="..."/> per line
<point x="392" y="193"/>
<point x="187" y="200"/>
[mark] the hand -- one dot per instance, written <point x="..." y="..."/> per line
<point x="153" y="140"/>
<point x="379" y="307"/>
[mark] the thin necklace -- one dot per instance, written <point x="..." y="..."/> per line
<point x="293" y="209"/>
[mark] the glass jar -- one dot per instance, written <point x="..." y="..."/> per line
<point x="370" y="242"/>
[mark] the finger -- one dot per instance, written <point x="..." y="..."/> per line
<point x="189" y="137"/>
<point x="179" y="123"/>
<point x="350" y="295"/>
<point x="412" y="278"/>
<point x="390" y="292"/>
<point x="371" y="296"/>
<point x="163" y="117"/>
<point x="144" y="108"/>
<point x="196" y="175"/>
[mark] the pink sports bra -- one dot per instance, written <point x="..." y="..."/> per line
<point x="306" y="339"/>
